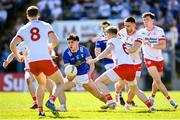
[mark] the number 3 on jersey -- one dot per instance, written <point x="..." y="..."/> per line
<point x="35" y="36"/>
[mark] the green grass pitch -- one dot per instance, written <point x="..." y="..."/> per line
<point x="83" y="106"/>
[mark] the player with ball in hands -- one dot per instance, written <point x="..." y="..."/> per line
<point x="77" y="56"/>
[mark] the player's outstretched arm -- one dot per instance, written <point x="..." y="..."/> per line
<point x="102" y="55"/>
<point x="16" y="40"/>
<point x="161" y="45"/>
<point x="106" y="52"/>
<point x="95" y="39"/>
<point x="8" y="60"/>
<point x="134" y="48"/>
<point x="91" y="67"/>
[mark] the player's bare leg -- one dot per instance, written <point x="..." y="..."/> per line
<point x="102" y="82"/>
<point x="154" y="90"/>
<point x="30" y="79"/>
<point x="68" y="85"/>
<point x="131" y="94"/>
<point x="59" y="91"/>
<point x="118" y="94"/>
<point x="135" y="90"/>
<point x="157" y="78"/>
<point x="91" y="87"/>
<point x="50" y="86"/>
<point x="41" y="78"/>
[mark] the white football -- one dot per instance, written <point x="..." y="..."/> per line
<point x="70" y="70"/>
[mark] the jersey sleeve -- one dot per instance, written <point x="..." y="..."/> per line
<point x="119" y="34"/>
<point x="138" y="38"/>
<point x="98" y="44"/>
<point x="109" y="42"/>
<point x="21" y="47"/>
<point x="49" y="28"/>
<point x="161" y="35"/>
<point x="66" y="58"/>
<point x="20" y="33"/>
<point x="86" y="53"/>
<point x="141" y="35"/>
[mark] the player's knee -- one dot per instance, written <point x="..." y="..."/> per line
<point x="158" y="82"/>
<point x="29" y="81"/>
<point x="96" y="81"/>
<point x="116" y="85"/>
<point x="156" y="77"/>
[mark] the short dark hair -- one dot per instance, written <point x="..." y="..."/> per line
<point x="150" y="14"/>
<point x="111" y="30"/>
<point x="130" y="19"/>
<point x="73" y="37"/>
<point x="105" y="22"/>
<point x="32" y="11"/>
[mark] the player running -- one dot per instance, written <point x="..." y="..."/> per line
<point x="154" y="43"/>
<point x="133" y="41"/>
<point x="100" y="46"/>
<point x="36" y="35"/>
<point x="77" y="55"/>
<point x="124" y="70"/>
<point x="22" y="48"/>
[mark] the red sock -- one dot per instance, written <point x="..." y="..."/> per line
<point x="34" y="99"/>
<point x="52" y="98"/>
<point x="108" y="97"/>
<point x="153" y="95"/>
<point x="168" y="97"/>
<point x="148" y="103"/>
<point x="40" y="109"/>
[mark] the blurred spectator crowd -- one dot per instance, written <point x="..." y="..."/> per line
<point x="12" y="15"/>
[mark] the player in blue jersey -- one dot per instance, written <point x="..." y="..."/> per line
<point x="78" y="55"/>
<point x="101" y="46"/>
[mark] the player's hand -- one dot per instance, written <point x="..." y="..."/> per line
<point x="90" y="77"/>
<point x="70" y="78"/>
<point x="5" y="64"/>
<point x="53" y="54"/>
<point x="50" y="47"/>
<point x="97" y="39"/>
<point x="54" y="57"/>
<point x="147" y="43"/>
<point x="21" y="58"/>
<point x="92" y="61"/>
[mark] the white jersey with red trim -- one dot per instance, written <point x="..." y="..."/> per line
<point x="119" y="54"/>
<point x="129" y="40"/>
<point x="153" y="36"/>
<point x="35" y="35"/>
<point x="22" y="49"/>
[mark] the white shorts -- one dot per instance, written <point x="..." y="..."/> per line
<point x="81" y="79"/>
<point x="109" y="66"/>
<point x="112" y="75"/>
<point x="27" y="75"/>
<point x="138" y="73"/>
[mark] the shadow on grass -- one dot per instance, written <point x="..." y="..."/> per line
<point x="121" y="111"/>
<point x="166" y="110"/>
<point x="63" y="117"/>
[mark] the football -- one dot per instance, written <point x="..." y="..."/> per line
<point x="70" y="70"/>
